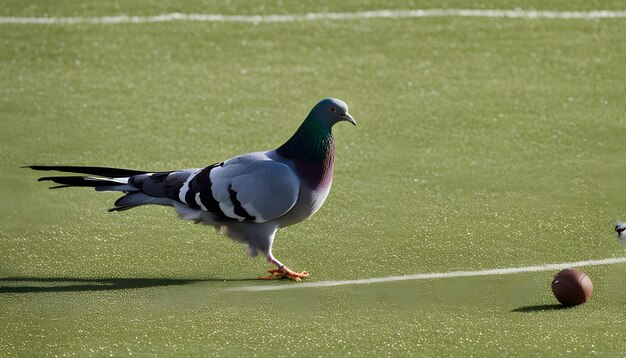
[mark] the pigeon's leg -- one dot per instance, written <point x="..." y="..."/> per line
<point x="283" y="271"/>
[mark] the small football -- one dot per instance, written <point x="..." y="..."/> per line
<point x="572" y="287"/>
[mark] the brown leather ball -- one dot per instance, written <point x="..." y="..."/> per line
<point x="572" y="287"/>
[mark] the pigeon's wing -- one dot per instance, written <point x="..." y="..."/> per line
<point x="251" y="187"/>
<point x="150" y="188"/>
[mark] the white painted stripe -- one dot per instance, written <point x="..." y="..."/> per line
<point x="435" y="275"/>
<point x="255" y="19"/>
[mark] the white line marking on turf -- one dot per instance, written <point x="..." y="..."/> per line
<point x="255" y="19"/>
<point x="430" y="276"/>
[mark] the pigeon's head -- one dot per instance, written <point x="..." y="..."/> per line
<point x="331" y="111"/>
<point x="620" y="230"/>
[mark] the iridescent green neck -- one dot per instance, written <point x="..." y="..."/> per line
<point x="313" y="141"/>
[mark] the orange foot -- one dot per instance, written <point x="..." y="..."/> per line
<point x="285" y="272"/>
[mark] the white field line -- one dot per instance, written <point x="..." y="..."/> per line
<point x="435" y="275"/>
<point x="255" y="19"/>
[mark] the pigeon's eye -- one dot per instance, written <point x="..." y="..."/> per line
<point x="333" y="109"/>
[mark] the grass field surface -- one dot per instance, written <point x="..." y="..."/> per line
<point x="481" y="143"/>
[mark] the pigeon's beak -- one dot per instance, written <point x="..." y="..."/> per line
<point x="347" y="117"/>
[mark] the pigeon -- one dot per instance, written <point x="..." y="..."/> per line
<point x="620" y="230"/>
<point x="248" y="198"/>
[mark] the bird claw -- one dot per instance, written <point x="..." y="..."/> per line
<point x="285" y="272"/>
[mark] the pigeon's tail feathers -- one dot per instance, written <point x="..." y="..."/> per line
<point x="135" y="199"/>
<point x="100" y="184"/>
<point x="99" y="171"/>
<point x="113" y="179"/>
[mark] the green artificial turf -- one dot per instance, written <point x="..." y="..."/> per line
<point x="481" y="143"/>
